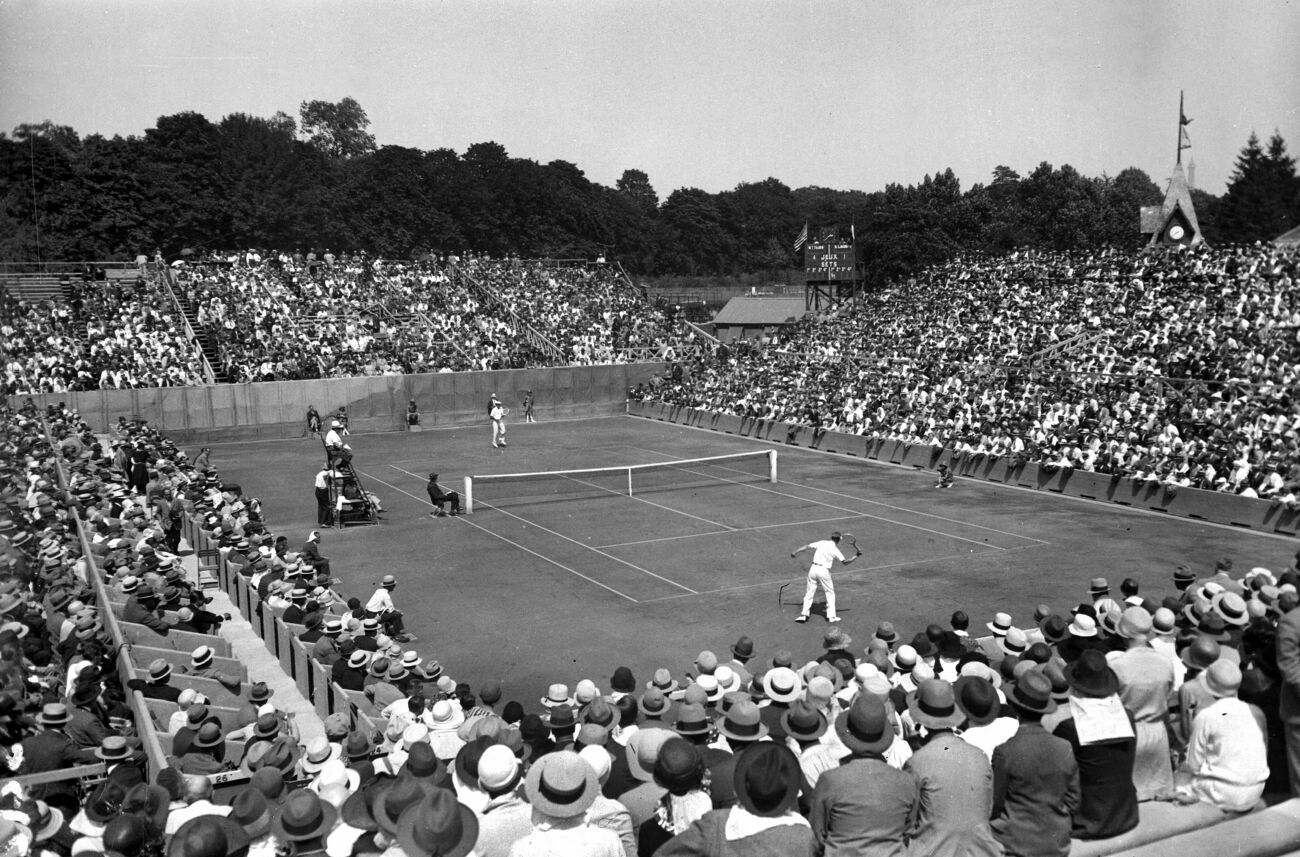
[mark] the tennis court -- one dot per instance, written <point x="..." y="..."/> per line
<point x="566" y="577"/>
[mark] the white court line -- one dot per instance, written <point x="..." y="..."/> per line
<point x="736" y="530"/>
<point x="873" y="503"/>
<point x="504" y="539"/>
<point x="839" y="575"/>
<point x="567" y="539"/>
<point x="855" y="512"/>
<point x="725" y="527"/>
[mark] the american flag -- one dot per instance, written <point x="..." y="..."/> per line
<point x="803" y="237"/>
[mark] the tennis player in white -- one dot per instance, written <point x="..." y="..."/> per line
<point x="825" y="552"/>
<point x="497" y="412"/>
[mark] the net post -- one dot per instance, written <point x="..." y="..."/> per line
<point x="771" y="465"/>
<point x="629" y="482"/>
<point x="469" y="495"/>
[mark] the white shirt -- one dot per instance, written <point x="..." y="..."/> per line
<point x="1228" y="749"/>
<point x="380" y="602"/>
<point x="177" y="817"/>
<point x="825" y="552"/>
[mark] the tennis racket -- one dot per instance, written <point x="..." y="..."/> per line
<point x="505" y="412"/>
<point x="851" y="541"/>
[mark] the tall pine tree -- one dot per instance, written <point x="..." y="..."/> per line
<point x="1261" y="200"/>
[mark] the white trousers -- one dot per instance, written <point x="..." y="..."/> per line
<point x="818" y="576"/>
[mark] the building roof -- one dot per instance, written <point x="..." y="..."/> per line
<point x="1290" y="238"/>
<point x="755" y="311"/>
<point x="1178" y="198"/>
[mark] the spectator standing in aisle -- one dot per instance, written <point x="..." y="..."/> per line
<point x="412" y="413"/>
<point x="313" y="420"/>
<point x="528" y="407"/>
<point x="324" y="511"/>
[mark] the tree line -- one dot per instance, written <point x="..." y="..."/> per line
<point x="320" y="181"/>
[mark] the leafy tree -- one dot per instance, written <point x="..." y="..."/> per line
<point x="338" y="130"/>
<point x="635" y="185"/>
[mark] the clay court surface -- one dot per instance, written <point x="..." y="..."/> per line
<point x="567" y="578"/>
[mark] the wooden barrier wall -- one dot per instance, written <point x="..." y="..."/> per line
<point x="1246" y="512"/>
<point x="276" y="409"/>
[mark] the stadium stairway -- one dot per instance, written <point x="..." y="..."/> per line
<point x="205" y="342"/>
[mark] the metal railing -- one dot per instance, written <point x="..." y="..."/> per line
<point x="533" y="336"/>
<point x="165" y="279"/>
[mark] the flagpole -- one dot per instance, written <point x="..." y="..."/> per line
<point x="1179" y="158"/>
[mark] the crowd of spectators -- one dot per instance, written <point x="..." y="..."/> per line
<point x="941" y="739"/>
<point x="116" y="335"/>
<point x="1179" y="367"/>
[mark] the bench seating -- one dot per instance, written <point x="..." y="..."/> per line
<point x="142" y="656"/>
<point x="181" y="641"/>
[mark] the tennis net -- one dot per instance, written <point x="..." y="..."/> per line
<point x="690" y="474"/>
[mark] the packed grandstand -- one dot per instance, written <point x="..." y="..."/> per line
<point x="1176" y="366"/>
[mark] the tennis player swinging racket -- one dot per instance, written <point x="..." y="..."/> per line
<point x="498" y="413"/>
<point x="825" y="552"/>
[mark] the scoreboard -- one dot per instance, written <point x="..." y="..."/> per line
<point x="829" y="260"/>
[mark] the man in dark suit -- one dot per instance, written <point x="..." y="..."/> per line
<point x="156" y="687"/>
<point x="311" y="553"/>
<point x="1288" y="663"/>
<point x="88" y="724"/>
<point x="1035" y="778"/>
<point x="142" y="609"/>
<point x="51" y="750"/>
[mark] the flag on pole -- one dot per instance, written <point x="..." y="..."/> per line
<point x="1184" y="141"/>
<point x="803" y="237"/>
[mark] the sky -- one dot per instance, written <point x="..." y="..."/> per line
<point x="835" y="93"/>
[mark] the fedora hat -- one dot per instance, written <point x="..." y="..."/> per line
<point x="208" y="736"/>
<point x="251" y="811"/>
<point x="743" y="648"/>
<point x="1054" y="628"/>
<point x="663" y="681"/>
<point x="1212" y="625"/>
<point x="437" y="826"/>
<point x="358" y="810"/>
<point x="562" y="785"/>
<point x="259" y="693"/>
<point x="1090" y="676"/>
<point x="266" y="726"/>
<point x="766" y="779"/>
<point x="803" y="722"/>
<point x="559" y="718"/>
<point x="1134" y="624"/>
<point x="423" y="764"/>
<point x="977" y="699"/>
<point x="932" y="704"/>
<point x="653" y="703"/>
<point x="558" y="695"/>
<point x="1033" y="693"/>
<point x="865" y="727"/>
<point x="1014" y="642"/>
<point x="282" y="755"/>
<point x="319" y="751"/>
<point x="304" y="816"/>
<point x="782" y="684"/>
<point x="1098" y="586"/>
<point x="357" y="746"/>
<point x="643" y="750"/>
<point x="743" y="723"/>
<point x="1000" y="625"/>
<point x="150" y="801"/>
<point x="209" y="836"/>
<point x="691" y="720"/>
